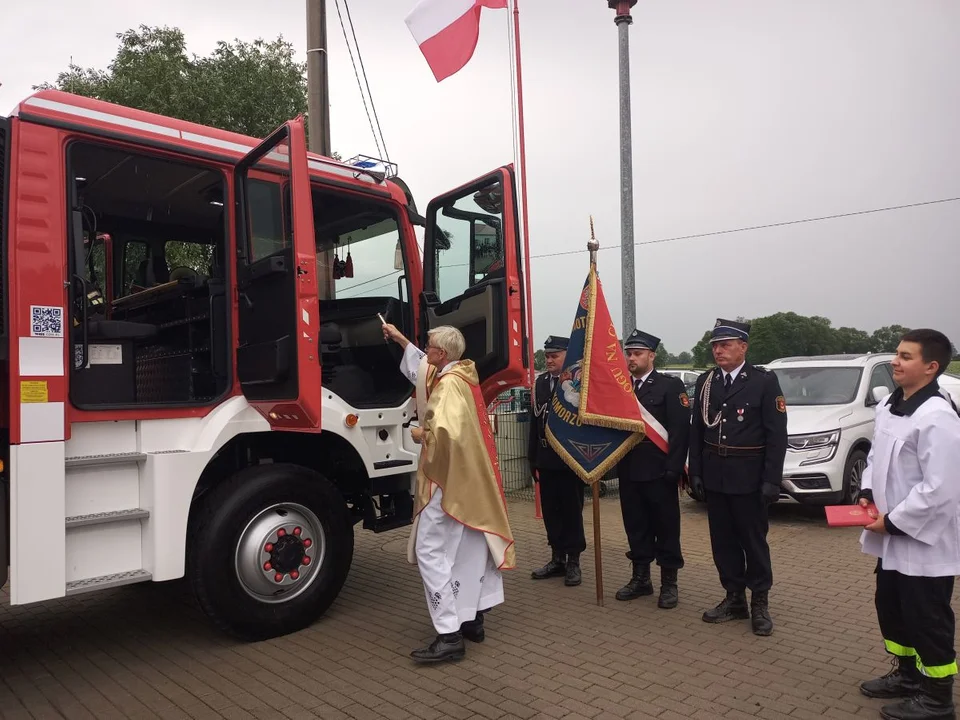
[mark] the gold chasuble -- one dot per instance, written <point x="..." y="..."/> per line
<point x="459" y="456"/>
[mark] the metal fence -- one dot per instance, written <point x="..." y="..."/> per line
<point x="510" y="421"/>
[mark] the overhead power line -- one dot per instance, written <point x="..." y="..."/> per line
<point x="758" y="227"/>
<point x="377" y="140"/>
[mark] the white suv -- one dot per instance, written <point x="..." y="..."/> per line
<point x="831" y="401"/>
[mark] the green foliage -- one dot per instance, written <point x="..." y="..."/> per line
<point x="887" y="338"/>
<point x="702" y="357"/>
<point x="249" y="88"/>
<point x="539" y="360"/>
<point x="787" y="334"/>
<point x="662" y="358"/>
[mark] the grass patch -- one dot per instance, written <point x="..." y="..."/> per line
<point x="954" y="367"/>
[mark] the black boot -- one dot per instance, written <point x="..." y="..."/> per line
<point x="669" y="595"/>
<point x="573" y="570"/>
<point x="902" y="681"/>
<point x="638" y="585"/>
<point x="760" y="613"/>
<point x="555" y="568"/>
<point x="732" y="607"/>
<point x="443" y="648"/>
<point x="934" y="701"/>
<point x="473" y="629"/>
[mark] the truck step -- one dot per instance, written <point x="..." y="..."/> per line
<point x="107" y="517"/>
<point x="109" y="459"/>
<point x="103" y="582"/>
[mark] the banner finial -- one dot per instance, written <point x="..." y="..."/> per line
<point x="593" y="245"/>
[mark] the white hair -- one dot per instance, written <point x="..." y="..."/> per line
<point x="450" y="340"/>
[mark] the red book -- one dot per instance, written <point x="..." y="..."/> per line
<point x="850" y="515"/>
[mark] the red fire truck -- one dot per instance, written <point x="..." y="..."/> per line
<point x="196" y="381"/>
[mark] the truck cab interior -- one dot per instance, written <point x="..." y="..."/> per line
<point x="151" y="314"/>
<point x="360" y="262"/>
<point x="148" y="247"/>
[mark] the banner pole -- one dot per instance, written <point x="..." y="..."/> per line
<point x="593" y="246"/>
<point x="597" y="559"/>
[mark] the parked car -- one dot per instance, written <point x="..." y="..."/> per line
<point x="951" y="383"/>
<point x="831" y="401"/>
<point x="689" y="377"/>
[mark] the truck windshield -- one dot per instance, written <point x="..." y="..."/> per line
<point x="819" y="385"/>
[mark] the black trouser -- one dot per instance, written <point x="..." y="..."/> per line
<point x="561" y="500"/>
<point x="651" y="519"/>
<point x="738" y="536"/>
<point x="916" y="619"/>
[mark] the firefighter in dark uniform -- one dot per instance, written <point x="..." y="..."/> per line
<point x="561" y="491"/>
<point x="738" y="441"/>
<point x="649" y="477"/>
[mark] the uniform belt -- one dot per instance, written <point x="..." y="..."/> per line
<point x="730" y="451"/>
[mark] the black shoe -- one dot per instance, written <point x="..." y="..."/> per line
<point x="473" y="629"/>
<point x="443" y="648"/>
<point x="902" y="681"/>
<point x="760" y="614"/>
<point x="573" y="570"/>
<point x="638" y="585"/>
<point x="555" y="568"/>
<point x="732" y="607"/>
<point x="933" y="701"/>
<point x="669" y="595"/>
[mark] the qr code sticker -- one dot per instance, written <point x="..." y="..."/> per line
<point x="46" y="321"/>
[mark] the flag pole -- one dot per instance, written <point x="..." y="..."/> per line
<point x="593" y="246"/>
<point x="522" y="165"/>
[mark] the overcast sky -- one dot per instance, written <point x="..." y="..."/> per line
<point x="745" y="113"/>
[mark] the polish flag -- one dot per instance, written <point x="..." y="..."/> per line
<point x="447" y="31"/>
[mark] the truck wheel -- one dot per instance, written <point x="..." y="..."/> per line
<point x="853" y="476"/>
<point x="270" y="550"/>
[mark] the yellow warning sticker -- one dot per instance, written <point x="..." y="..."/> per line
<point x="34" y="391"/>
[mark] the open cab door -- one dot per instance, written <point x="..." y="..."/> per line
<point x="472" y="277"/>
<point x="278" y="362"/>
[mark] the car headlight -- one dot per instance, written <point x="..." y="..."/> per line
<point x="816" y="447"/>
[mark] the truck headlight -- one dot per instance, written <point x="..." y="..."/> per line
<point x="815" y="447"/>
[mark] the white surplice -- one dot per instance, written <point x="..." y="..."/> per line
<point x="912" y="471"/>
<point x="459" y="576"/>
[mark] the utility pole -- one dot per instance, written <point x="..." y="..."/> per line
<point x="318" y="85"/>
<point x="628" y="275"/>
<point x="318" y="118"/>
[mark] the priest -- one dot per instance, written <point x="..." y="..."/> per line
<point x="461" y="538"/>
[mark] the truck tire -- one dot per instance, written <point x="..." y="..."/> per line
<point x="270" y="549"/>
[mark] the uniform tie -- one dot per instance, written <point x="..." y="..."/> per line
<point x="728" y="383"/>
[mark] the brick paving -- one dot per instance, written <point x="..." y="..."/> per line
<point x="146" y="651"/>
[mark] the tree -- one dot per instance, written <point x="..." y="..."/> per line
<point x="662" y="358"/>
<point x="249" y="88"/>
<point x="854" y="341"/>
<point x="886" y="339"/>
<point x="684" y="358"/>
<point x="539" y="361"/>
<point x="702" y="355"/>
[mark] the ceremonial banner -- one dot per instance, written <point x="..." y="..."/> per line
<point x="594" y="417"/>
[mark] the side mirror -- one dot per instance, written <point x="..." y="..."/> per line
<point x="879" y="393"/>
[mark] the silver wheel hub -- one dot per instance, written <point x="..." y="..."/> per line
<point x="280" y="552"/>
<point x="856" y="478"/>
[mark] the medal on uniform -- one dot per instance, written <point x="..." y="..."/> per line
<point x="740" y="415"/>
